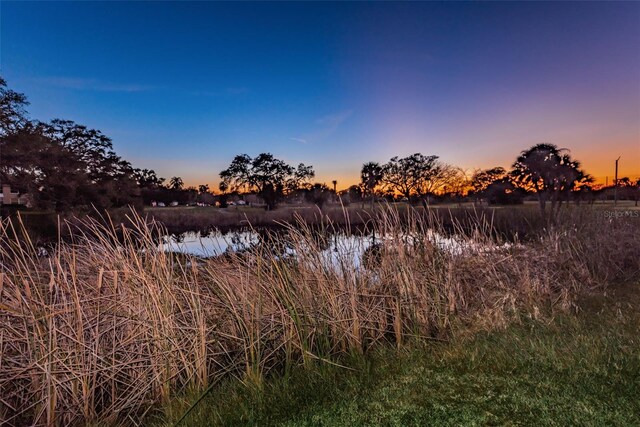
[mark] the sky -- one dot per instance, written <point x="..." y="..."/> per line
<point x="183" y="87"/>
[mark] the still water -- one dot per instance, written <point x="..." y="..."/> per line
<point x="335" y="248"/>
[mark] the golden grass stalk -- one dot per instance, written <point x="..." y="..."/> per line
<point x="109" y="324"/>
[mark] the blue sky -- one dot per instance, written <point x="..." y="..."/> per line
<point x="183" y="87"/>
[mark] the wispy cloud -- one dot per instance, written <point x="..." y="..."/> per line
<point x="93" y="84"/>
<point x="334" y="120"/>
<point x="324" y="127"/>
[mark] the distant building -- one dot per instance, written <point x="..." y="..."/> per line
<point x="7" y="197"/>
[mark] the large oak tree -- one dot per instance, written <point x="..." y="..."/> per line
<point x="266" y="175"/>
<point x="61" y="164"/>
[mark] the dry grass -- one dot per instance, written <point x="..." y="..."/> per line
<point x="107" y="326"/>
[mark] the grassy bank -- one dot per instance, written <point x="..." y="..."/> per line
<point x="109" y="328"/>
<point x="509" y="222"/>
<point x="572" y="370"/>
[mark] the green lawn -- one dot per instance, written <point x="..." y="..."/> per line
<point x="573" y="370"/>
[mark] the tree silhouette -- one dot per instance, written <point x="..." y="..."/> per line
<point x="551" y="173"/>
<point x="352" y="194"/>
<point x="111" y="180"/>
<point x="451" y="181"/>
<point x="151" y="186"/>
<point x="630" y="189"/>
<point x="223" y="197"/>
<point x="268" y="176"/>
<point x="147" y="178"/>
<point x="371" y="176"/>
<point x="318" y="194"/>
<point x="63" y="165"/>
<point x="482" y="179"/>
<point x="176" y="183"/>
<point x="12" y="109"/>
<point x="416" y="175"/>
<point x="301" y="178"/>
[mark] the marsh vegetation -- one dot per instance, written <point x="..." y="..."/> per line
<point x="107" y="327"/>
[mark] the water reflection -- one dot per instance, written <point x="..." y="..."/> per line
<point x="212" y="244"/>
<point x="330" y="248"/>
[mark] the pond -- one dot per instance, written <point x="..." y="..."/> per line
<point x="336" y="248"/>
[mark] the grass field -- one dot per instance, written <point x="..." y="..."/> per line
<point x="571" y="370"/>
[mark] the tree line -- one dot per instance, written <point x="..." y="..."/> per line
<point x="544" y="169"/>
<point x="64" y="165"/>
<point x="60" y="164"/>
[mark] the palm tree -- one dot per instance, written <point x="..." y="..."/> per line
<point x="176" y="183"/>
<point x="551" y="173"/>
<point x="222" y="198"/>
<point x="370" y="177"/>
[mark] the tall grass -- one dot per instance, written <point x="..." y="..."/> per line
<point x="108" y="325"/>
<point x="580" y="369"/>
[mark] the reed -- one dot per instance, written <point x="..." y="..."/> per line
<point x="109" y="325"/>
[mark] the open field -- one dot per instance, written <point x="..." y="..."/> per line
<point x="107" y="328"/>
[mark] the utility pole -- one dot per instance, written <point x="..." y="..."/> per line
<point x="335" y="191"/>
<point x="615" y="185"/>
